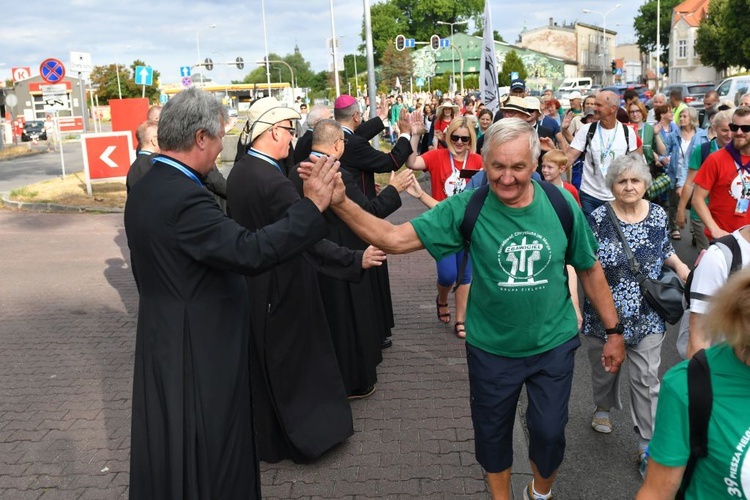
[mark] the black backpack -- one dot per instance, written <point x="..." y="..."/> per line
<point x="700" y="402"/>
<point x="562" y="209"/>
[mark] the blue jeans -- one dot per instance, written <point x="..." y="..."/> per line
<point x="589" y="203"/>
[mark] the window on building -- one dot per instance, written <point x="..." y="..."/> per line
<point x="682" y="49"/>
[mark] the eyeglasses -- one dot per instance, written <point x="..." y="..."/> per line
<point x="292" y="131"/>
<point x="734" y="128"/>
<point x="635" y="110"/>
<point x="460" y="138"/>
<point x="346" y="141"/>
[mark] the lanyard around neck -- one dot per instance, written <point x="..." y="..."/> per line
<point x="605" y="151"/>
<point x="257" y="154"/>
<point x="181" y="168"/>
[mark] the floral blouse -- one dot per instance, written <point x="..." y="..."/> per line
<point x="649" y="241"/>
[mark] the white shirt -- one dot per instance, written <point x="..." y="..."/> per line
<point x="712" y="273"/>
<point x="605" y="146"/>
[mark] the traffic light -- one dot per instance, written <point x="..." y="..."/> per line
<point x="400" y="42"/>
<point x="614" y="67"/>
<point x="208" y="63"/>
<point x="435" y="42"/>
<point x="240" y="63"/>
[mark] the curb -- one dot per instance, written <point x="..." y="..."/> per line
<point x="32" y="153"/>
<point x="52" y="207"/>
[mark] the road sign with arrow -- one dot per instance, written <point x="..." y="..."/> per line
<point x="144" y="75"/>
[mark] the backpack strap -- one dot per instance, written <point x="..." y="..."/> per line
<point x="700" y="401"/>
<point x="732" y="256"/>
<point x="467" y="224"/>
<point x="705" y="151"/>
<point x="555" y="195"/>
<point x="589" y="135"/>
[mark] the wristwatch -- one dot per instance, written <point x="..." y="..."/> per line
<point x="617" y="330"/>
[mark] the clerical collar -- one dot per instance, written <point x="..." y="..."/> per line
<point x="176" y="164"/>
<point x="317" y="154"/>
<point x="347" y="129"/>
<point x="146" y="152"/>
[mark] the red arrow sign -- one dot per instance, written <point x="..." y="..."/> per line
<point x="107" y="155"/>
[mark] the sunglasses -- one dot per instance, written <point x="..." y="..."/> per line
<point x="734" y="128"/>
<point x="292" y="131"/>
<point x="460" y="138"/>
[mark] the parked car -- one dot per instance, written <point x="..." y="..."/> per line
<point x="33" y="130"/>
<point x="733" y="88"/>
<point x="644" y="94"/>
<point x="692" y="93"/>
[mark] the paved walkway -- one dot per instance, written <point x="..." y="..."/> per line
<point x="68" y="308"/>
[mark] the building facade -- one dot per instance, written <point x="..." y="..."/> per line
<point x="684" y="62"/>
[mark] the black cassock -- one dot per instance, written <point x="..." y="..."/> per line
<point x="357" y="326"/>
<point x="192" y="436"/>
<point x="301" y="408"/>
<point x="363" y="162"/>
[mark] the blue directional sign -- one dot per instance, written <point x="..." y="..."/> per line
<point x="144" y="75"/>
<point x="409" y="43"/>
<point x="185" y="71"/>
<point x="420" y="82"/>
<point x="514" y="75"/>
<point x="163" y="98"/>
<point x="445" y="43"/>
<point x="52" y="70"/>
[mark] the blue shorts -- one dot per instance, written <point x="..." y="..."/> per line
<point x="495" y="384"/>
<point x="448" y="267"/>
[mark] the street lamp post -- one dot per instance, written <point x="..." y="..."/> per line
<point x="198" y="46"/>
<point x="604" y="35"/>
<point x="291" y="70"/>
<point x="335" y="54"/>
<point x="453" y="58"/>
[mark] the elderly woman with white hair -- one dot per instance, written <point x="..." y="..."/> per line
<point x="644" y="225"/>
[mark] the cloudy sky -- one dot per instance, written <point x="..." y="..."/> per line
<point x="163" y="32"/>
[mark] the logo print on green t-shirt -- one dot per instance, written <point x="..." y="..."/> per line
<point x="523" y="256"/>
<point x="740" y="456"/>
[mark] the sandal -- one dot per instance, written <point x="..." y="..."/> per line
<point x="676" y="235"/>
<point x="459" y="329"/>
<point x="447" y="315"/>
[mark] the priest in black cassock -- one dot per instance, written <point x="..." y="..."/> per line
<point x="192" y="434"/>
<point x="363" y="161"/>
<point x="357" y="328"/>
<point x="301" y="407"/>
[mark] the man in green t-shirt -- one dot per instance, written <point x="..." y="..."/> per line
<point x="720" y="127"/>
<point x="522" y="327"/>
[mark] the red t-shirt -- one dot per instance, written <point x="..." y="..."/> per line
<point x="442" y="125"/>
<point x="572" y="190"/>
<point x="445" y="181"/>
<point x="720" y="176"/>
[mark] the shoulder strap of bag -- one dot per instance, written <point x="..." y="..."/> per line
<point x="700" y="401"/>
<point x="705" y="151"/>
<point x="733" y="260"/>
<point x="589" y="136"/>
<point x="635" y="268"/>
<point x="562" y="209"/>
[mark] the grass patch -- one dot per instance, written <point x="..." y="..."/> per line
<point x="72" y="192"/>
<point x="15" y="150"/>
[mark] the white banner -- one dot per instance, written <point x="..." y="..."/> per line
<point x="488" y="68"/>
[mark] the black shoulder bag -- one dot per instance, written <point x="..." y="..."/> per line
<point x="663" y="294"/>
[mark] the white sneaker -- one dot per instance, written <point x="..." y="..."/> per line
<point x="601" y="424"/>
<point x="529" y="494"/>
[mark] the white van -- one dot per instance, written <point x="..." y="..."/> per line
<point x="582" y="85"/>
<point x="733" y="88"/>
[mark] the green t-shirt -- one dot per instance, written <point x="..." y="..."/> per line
<point x="695" y="162"/>
<point x="519" y="303"/>
<point x="725" y="472"/>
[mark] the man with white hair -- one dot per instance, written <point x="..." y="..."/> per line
<point x="659" y="99"/>
<point x="534" y="343"/>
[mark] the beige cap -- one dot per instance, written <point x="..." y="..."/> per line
<point x="267" y="112"/>
<point x="532" y="103"/>
<point x="575" y="95"/>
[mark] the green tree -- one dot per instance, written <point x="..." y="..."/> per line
<point x="479" y="31"/>
<point x="258" y="75"/>
<point x="711" y="35"/>
<point x="645" y="26"/>
<point x="387" y="23"/>
<point x="394" y="65"/>
<point x="104" y="79"/>
<point x="735" y="49"/>
<point x="512" y="63"/>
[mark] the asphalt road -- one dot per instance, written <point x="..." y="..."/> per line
<point x="25" y="170"/>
